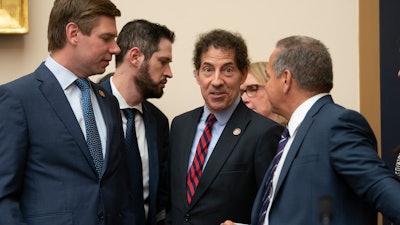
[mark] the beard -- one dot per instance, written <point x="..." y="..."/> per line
<point x="149" y="88"/>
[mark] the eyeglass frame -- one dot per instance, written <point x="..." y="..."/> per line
<point x="249" y="91"/>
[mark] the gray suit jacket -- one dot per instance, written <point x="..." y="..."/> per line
<point x="233" y="173"/>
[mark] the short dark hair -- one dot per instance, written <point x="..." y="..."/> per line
<point x="308" y="60"/>
<point x="144" y="35"/>
<point x="224" y="40"/>
<point x="85" y="13"/>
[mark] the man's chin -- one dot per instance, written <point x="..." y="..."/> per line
<point x="154" y="95"/>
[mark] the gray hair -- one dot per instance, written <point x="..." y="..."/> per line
<point x="308" y="60"/>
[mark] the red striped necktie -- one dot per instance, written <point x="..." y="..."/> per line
<point x="196" y="169"/>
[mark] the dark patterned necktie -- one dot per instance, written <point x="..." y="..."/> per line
<point x="92" y="134"/>
<point x="397" y="167"/>
<point x="135" y="163"/>
<point x="196" y="169"/>
<point x="268" y="190"/>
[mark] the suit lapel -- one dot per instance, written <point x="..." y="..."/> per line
<point x="186" y="137"/>
<point x="103" y="99"/>
<point x="300" y="135"/>
<point x="223" y="149"/>
<point x="54" y="94"/>
<point x="150" y="124"/>
<point x="151" y="137"/>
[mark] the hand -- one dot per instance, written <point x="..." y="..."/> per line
<point x="228" y="222"/>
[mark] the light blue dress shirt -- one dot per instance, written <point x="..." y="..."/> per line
<point x="67" y="81"/>
<point x="218" y="127"/>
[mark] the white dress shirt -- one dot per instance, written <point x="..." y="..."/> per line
<point x="294" y="123"/>
<point x="141" y="139"/>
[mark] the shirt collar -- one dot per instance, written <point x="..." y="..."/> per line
<point x="301" y="111"/>
<point x="62" y="74"/>
<point x="222" y="116"/>
<point x="121" y="100"/>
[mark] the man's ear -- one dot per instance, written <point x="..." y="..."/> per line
<point x="287" y="80"/>
<point x="135" y="56"/>
<point x="71" y="33"/>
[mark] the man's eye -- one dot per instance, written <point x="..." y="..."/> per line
<point x="207" y="69"/>
<point x="107" y="38"/>
<point x="228" y="71"/>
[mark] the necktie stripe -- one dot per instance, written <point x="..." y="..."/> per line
<point x="195" y="171"/>
<point x="268" y="189"/>
<point x="397" y="167"/>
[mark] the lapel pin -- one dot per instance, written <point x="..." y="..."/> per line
<point x="236" y="131"/>
<point x="102" y="94"/>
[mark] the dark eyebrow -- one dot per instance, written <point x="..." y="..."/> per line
<point x="228" y="64"/>
<point x="207" y="64"/>
<point x="165" y="58"/>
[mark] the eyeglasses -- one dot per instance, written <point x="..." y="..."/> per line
<point x="251" y="90"/>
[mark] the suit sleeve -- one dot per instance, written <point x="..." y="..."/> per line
<point x="13" y="150"/>
<point x="354" y="157"/>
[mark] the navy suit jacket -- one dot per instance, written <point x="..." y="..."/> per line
<point x="47" y="176"/>
<point x="333" y="154"/>
<point x="157" y="135"/>
<point x="233" y="174"/>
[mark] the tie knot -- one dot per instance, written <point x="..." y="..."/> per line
<point x="130" y="113"/>
<point x="211" y="119"/>
<point x="285" y="133"/>
<point x="82" y="83"/>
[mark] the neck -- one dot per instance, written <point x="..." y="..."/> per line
<point x="126" y="86"/>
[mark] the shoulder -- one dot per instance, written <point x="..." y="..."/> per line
<point x="105" y="83"/>
<point x="150" y="108"/>
<point x="256" y="120"/>
<point x="333" y="111"/>
<point x="189" y="116"/>
<point x="22" y="86"/>
<point x="340" y="121"/>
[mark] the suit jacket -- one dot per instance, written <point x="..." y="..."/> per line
<point x="47" y="174"/>
<point x="232" y="175"/>
<point x="157" y="135"/>
<point x="333" y="154"/>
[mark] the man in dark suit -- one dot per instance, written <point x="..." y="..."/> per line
<point x="329" y="172"/>
<point x="142" y="70"/>
<point x="49" y="173"/>
<point x="242" y="142"/>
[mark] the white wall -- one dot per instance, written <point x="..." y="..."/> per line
<point x="261" y="22"/>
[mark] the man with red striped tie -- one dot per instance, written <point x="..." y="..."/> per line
<point x="220" y="151"/>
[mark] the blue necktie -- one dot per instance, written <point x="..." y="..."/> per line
<point x="135" y="163"/>
<point x="268" y="190"/>
<point x="397" y="167"/>
<point x="92" y="134"/>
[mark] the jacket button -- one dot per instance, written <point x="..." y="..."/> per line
<point x="100" y="216"/>
<point x="187" y="217"/>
